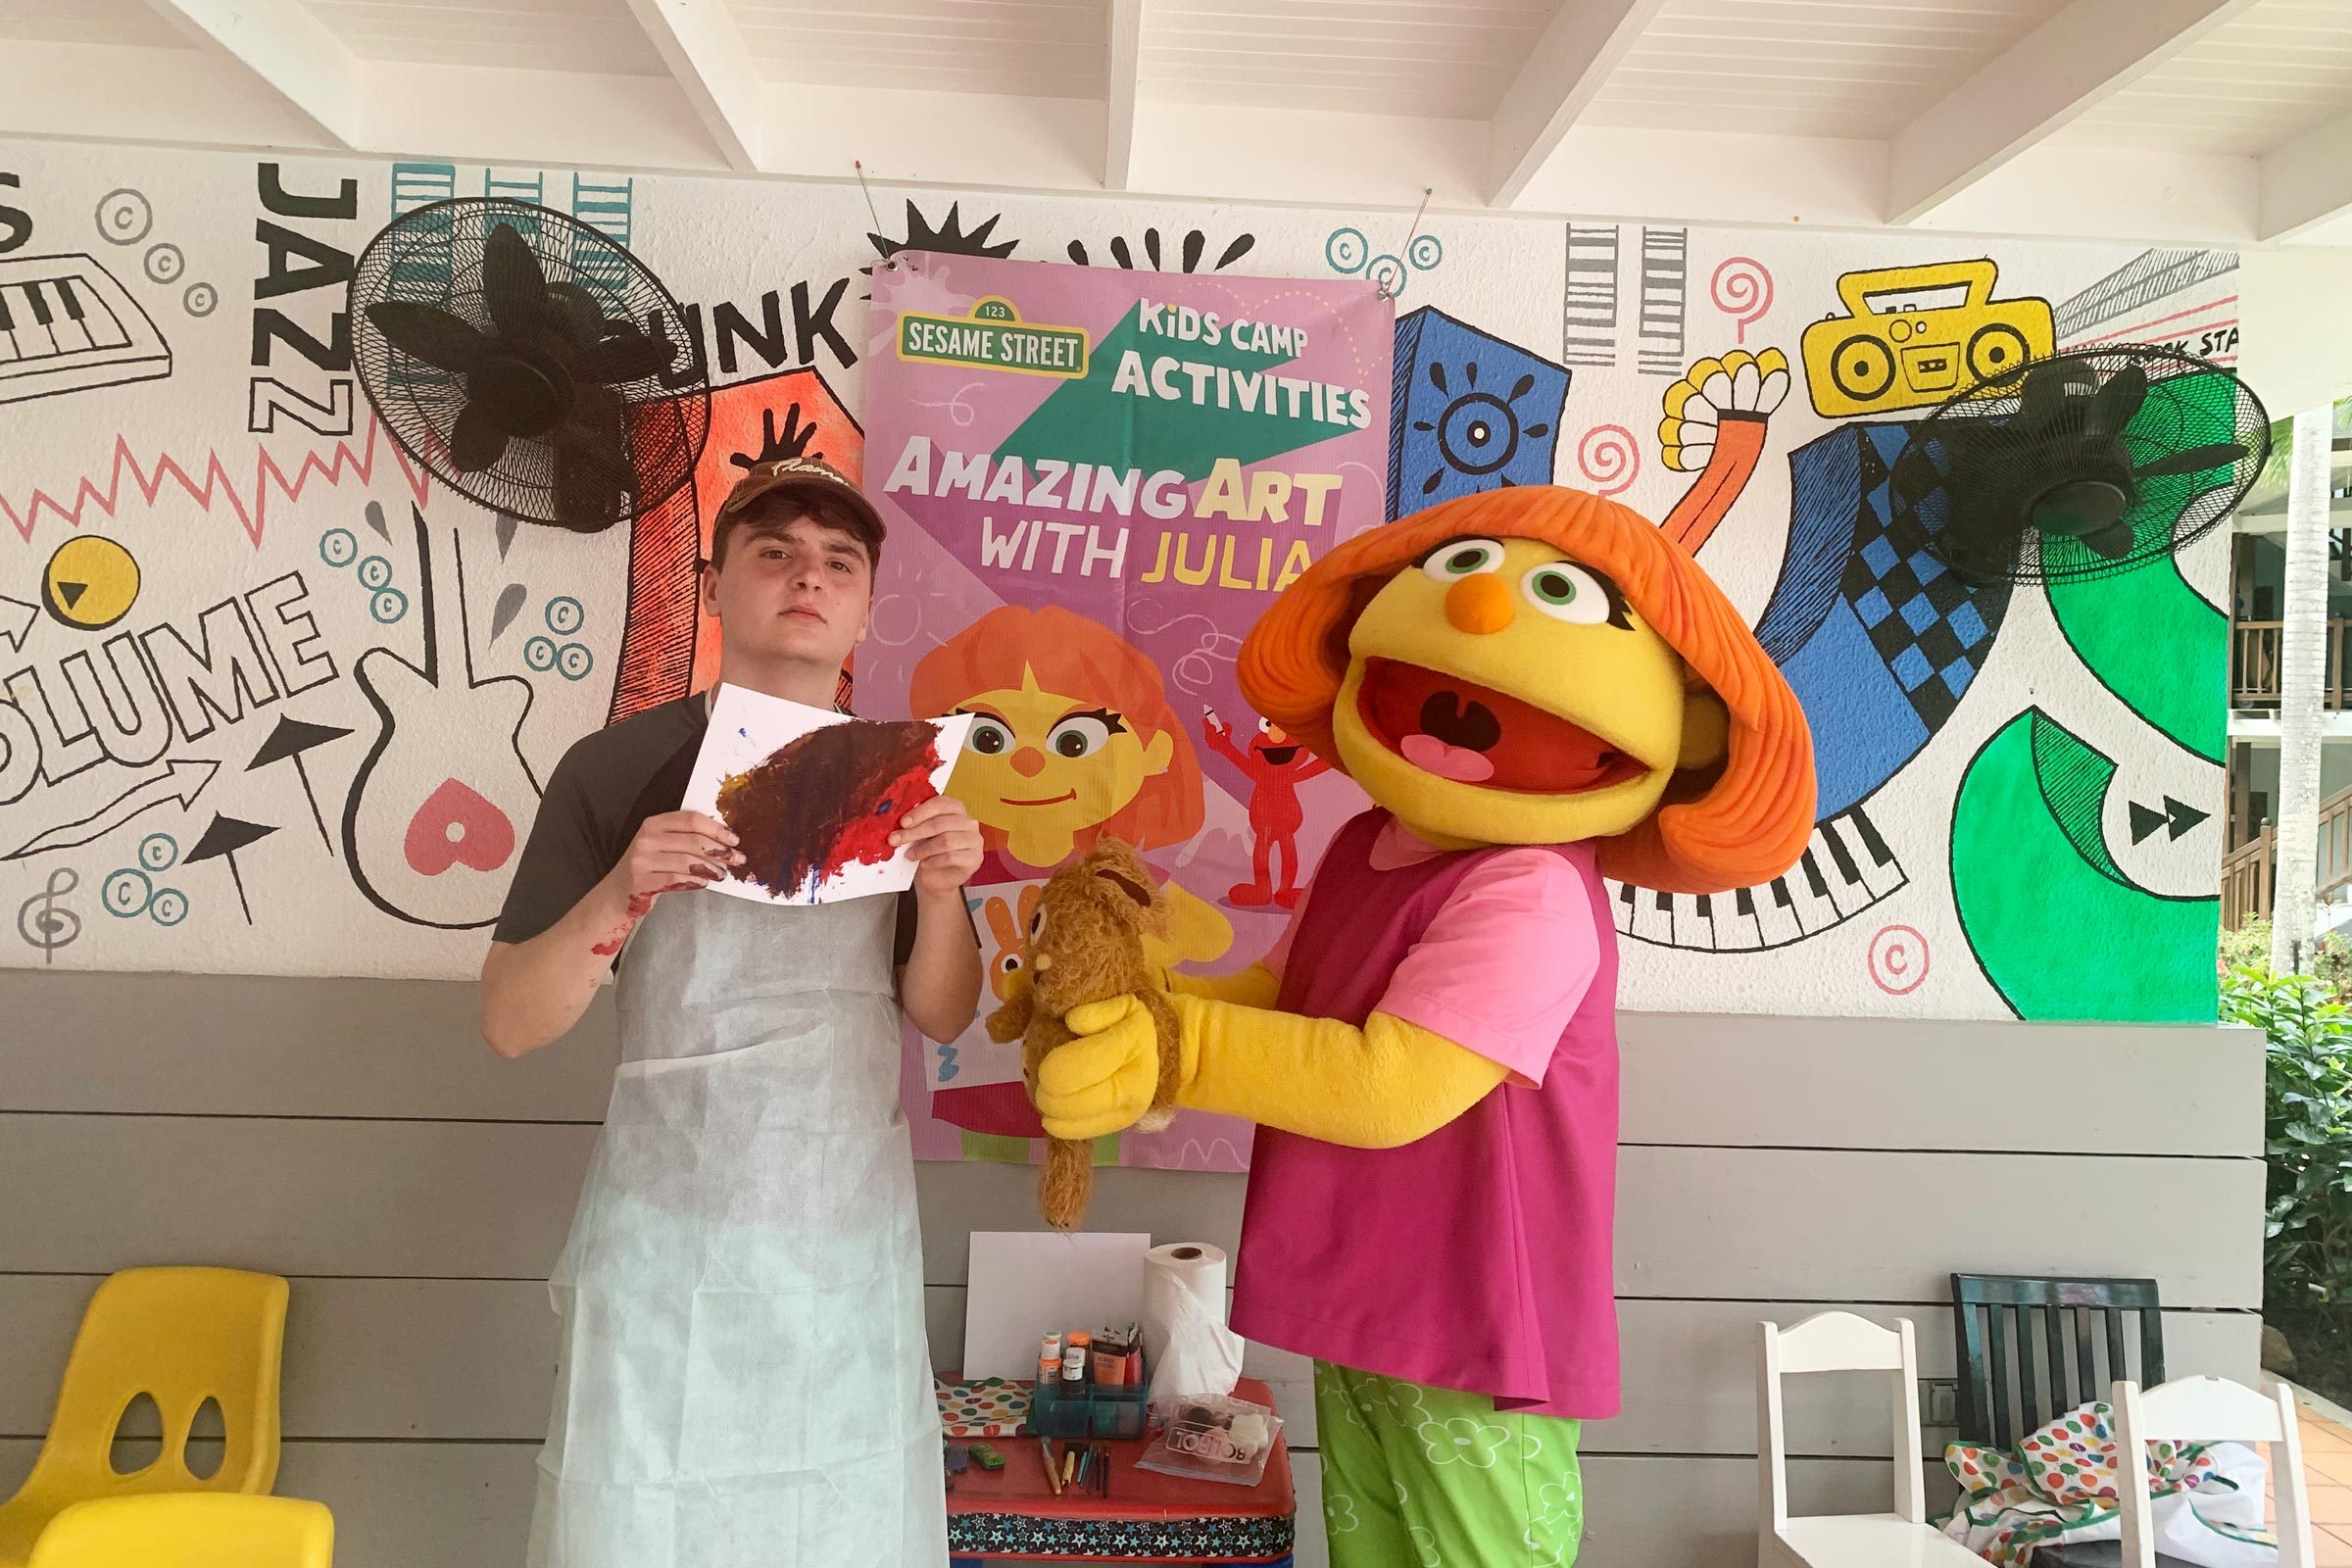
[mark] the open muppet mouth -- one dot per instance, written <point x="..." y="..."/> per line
<point x="1473" y="734"/>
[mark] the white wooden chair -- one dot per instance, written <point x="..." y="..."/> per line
<point x="1840" y="1342"/>
<point x="2210" y="1411"/>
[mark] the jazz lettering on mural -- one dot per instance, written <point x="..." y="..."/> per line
<point x="1021" y="540"/>
<point x="299" y="262"/>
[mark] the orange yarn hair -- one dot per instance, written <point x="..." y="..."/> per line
<point x="1074" y="656"/>
<point x="1751" y="821"/>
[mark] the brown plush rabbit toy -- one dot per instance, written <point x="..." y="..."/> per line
<point x="1086" y="944"/>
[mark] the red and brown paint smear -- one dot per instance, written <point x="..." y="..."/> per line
<point x="828" y="801"/>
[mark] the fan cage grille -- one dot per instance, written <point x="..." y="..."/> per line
<point x="435" y="256"/>
<point x="1966" y="446"/>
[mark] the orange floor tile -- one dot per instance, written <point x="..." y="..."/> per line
<point x="2328" y="1478"/>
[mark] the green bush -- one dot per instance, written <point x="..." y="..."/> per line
<point x="2249" y="948"/>
<point x="2307" y="1131"/>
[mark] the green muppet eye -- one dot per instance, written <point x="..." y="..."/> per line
<point x="1463" y="557"/>
<point x="1566" y="593"/>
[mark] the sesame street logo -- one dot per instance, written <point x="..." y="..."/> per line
<point x="994" y="337"/>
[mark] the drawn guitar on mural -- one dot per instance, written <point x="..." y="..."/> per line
<point x="435" y="808"/>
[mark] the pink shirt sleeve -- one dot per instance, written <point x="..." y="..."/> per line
<point x="1505" y="964"/>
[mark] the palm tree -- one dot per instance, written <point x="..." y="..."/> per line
<point x="2303" y="655"/>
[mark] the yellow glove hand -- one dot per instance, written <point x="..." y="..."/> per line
<point x="1101" y="1082"/>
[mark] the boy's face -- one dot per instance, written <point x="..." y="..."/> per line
<point x="798" y="592"/>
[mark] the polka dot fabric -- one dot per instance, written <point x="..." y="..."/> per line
<point x="2059" y="1484"/>
<point x="984" y="1407"/>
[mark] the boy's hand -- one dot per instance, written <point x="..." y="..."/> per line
<point x="675" y="851"/>
<point x="943" y="841"/>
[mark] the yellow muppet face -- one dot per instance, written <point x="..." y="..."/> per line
<point x="1041" y="767"/>
<point x="1499" y="693"/>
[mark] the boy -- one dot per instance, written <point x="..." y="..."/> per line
<point x="743" y="1376"/>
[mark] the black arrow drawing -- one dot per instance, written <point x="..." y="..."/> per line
<point x="182" y="779"/>
<point x="2177" y="817"/>
<point x="222" y="839"/>
<point x="291" y="739"/>
<point x="16" y="622"/>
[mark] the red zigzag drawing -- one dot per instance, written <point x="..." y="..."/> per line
<point x="251" y="505"/>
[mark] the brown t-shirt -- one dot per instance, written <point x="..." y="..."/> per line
<point x="600" y="794"/>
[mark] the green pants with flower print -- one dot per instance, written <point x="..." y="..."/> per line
<point x="1430" y="1477"/>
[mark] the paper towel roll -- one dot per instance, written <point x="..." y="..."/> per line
<point x="1191" y="1353"/>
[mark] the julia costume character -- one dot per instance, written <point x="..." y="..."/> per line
<point x="1538" y="690"/>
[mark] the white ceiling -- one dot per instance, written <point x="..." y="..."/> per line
<point x="2191" y="120"/>
<point x="1023" y="48"/>
<point x="590" y="35"/>
<point x="2270" y="74"/>
<point x="1807" y="68"/>
<point x="112" y="21"/>
<point x="1440" y="58"/>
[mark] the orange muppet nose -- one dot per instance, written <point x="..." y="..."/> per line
<point x="1028" y="762"/>
<point x="1479" y="605"/>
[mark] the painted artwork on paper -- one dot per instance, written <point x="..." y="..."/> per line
<point x="814" y="796"/>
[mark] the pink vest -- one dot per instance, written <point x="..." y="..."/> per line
<point x="1479" y="1257"/>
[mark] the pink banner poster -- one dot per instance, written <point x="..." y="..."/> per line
<point x="1096" y="482"/>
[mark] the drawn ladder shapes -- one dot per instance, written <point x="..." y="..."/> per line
<point x="1588" y="333"/>
<point x="2149" y="276"/>
<point x="1846" y="868"/>
<point x="420" y="274"/>
<point x="1665" y="281"/>
<point x="604" y="206"/>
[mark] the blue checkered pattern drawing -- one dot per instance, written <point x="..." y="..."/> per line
<point x="1931" y="627"/>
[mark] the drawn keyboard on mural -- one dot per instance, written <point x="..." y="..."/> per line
<point x="66" y="326"/>
<point x="1845" y="869"/>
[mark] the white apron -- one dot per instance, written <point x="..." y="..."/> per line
<point x="745" y="1382"/>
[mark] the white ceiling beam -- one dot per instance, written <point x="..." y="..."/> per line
<point x="2085" y="53"/>
<point x="292" y="53"/>
<point x="703" y="49"/>
<point x="1579" y="47"/>
<point x="1118" y="94"/>
<point x="2306" y="180"/>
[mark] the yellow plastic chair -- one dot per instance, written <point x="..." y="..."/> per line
<point x="181" y="1336"/>
<point x="189" y="1530"/>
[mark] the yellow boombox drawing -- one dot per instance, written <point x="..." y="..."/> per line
<point x="1916" y="335"/>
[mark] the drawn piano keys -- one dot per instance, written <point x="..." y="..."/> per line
<point x="1846" y="868"/>
<point x="66" y="326"/>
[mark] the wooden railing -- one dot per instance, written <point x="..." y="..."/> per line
<point x="2255" y="664"/>
<point x="2247" y="871"/>
<point x="2246" y="879"/>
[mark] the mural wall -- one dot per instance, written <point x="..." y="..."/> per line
<point x="277" y="703"/>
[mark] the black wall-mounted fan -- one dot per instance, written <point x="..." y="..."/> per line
<point x="529" y="361"/>
<point x="2082" y="464"/>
